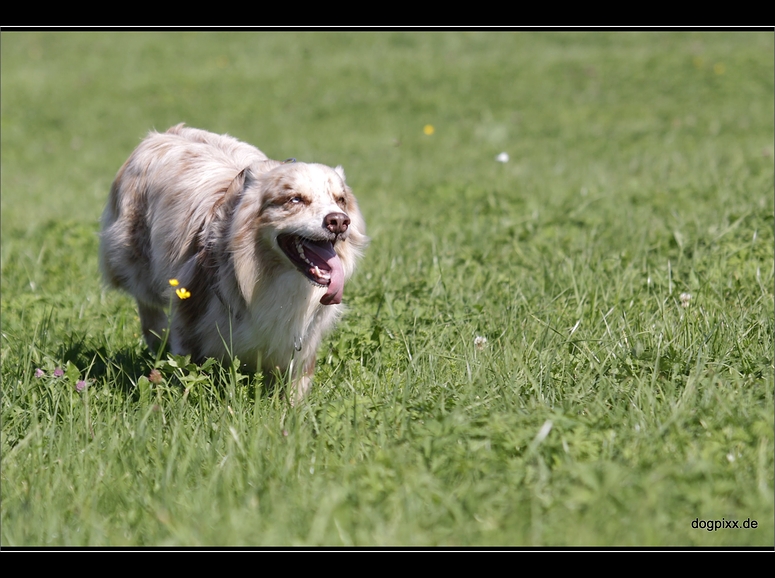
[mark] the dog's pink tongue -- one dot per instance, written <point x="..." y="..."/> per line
<point x="325" y="253"/>
<point x="336" y="286"/>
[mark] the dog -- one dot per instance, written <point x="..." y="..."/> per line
<point x="252" y="253"/>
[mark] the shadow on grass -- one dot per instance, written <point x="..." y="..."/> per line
<point x="120" y="369"/>
<point x="123" y="370"/>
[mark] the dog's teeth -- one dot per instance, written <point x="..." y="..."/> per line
<point x="321" y="274"/>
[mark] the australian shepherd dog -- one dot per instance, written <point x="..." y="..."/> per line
<point x="252" y="253"/>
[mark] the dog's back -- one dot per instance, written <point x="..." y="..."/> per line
<point x="169" y="184"/>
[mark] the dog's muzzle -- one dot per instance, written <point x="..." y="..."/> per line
<point x="317" y="261"/>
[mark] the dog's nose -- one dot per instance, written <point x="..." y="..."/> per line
<point x="336" y="222"/>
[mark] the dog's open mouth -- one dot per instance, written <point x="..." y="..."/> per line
<point x="319" y="263"/>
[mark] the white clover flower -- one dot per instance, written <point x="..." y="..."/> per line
<point x="502" y="158"/>
<point x="480" y="342"/>
<point x="685" y="298"/>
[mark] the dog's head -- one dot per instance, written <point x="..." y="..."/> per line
<point x="304" y="216"/>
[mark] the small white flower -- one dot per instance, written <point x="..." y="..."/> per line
<point x="480" y="342"/>
<point x="685" y="298"/>
<point x="502" y="158"/>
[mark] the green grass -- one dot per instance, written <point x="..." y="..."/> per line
<point x="600" y="410"/>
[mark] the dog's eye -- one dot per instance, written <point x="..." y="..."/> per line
<point x="295" y="200"/>
<point x="342" y="202"/>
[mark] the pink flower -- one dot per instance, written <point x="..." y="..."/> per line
<point x="58" y="372"/>
<point x="80" y="385"/>
<point x="39" y="372"/>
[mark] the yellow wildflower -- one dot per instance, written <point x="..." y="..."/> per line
<point x="428" y="129"/>
<point x="183" y="293"/>
<point x="174" y="282"/>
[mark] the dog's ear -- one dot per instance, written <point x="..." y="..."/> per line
<point x="236" y="186"/>
<point x="340" y="171"/>
<point x="225" y="205"/>
<point x="215" y="223"/>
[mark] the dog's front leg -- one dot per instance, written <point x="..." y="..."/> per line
<point x="154" y="322"/>
<point x="297" y="384"/>
<point x="303" y="382"/>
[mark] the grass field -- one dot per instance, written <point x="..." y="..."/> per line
<point x="573" y="347"/>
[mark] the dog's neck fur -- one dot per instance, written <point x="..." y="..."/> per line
<point x="274" y="313"/>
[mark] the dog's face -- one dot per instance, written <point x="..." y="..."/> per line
<point x="309" y="219"/>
